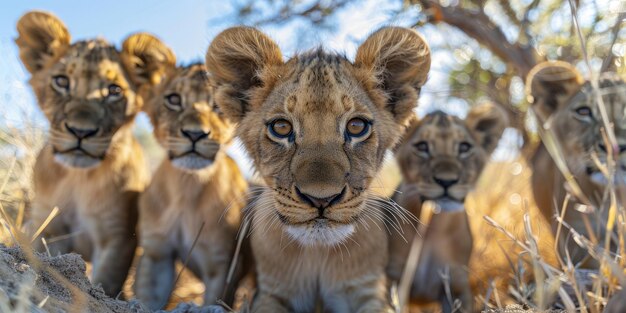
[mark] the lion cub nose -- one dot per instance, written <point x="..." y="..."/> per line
<point x="445" y="183"/>
<point x="194" y="135"/>
<point x="81" y="133"/>
<point x="320" y="203"/>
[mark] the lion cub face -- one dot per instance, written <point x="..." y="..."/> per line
<point x="187" y="122"/>
<point x="85" y="89"/>
<point x="563" y="100"/>
<point x="443" y="155"/>
<point x="318" y="125"/>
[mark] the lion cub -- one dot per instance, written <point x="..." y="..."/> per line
<point x="317" y="127"/>
<point x="92" y="168"/>
<point x="562" y="98"/>
<point x="191" y="190"/>
<point x="441" y="158"/>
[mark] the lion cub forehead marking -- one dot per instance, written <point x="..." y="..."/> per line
<point x="320" y="84"/>
<point x="93" y="58"/>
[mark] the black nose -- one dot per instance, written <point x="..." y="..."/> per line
<point x="81" y="133"/>
<point x="445" y="183"/>
<point x="194" y="135"/>
<point x="622" y="148"/>
<point x="320" y="203"/>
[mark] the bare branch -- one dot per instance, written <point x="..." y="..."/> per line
<point x="509" y="12"/>
<point x="481" y="28"/>
<point x="316" y="13"/>
<point x="609" y="62"/>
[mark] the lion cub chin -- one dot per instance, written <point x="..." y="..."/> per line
<point x="197" y="192"/>
<point x="441" y="158"/>
<point x="91" y="168"/>
<point x="317" y="127"/>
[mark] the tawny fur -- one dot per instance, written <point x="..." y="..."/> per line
<point x="95" y="189"/>
<point x="447" y="243"/>
<point x="559" y="95"/>
<point x="558" y="92"/>
<point x="184" y="203"/>
<point x="307" y="256"/>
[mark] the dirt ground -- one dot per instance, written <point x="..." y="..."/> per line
<point x="41" y="283"/>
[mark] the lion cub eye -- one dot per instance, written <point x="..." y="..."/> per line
<point x="584" y="111"/>
<point x="281" y="128"/>
<point x="61" y="83"/>
<point x="464" y="147"/>
<point x="173" y="101"/>
<point x="114" y="91"/>
<point x="422" y="146"/>
<point x="357" y="127"/>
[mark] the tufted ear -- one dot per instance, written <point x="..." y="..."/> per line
<point x="42" y="38"/>
<point x="399" y="59"/>
<point x="487" y="123"/>
<point x="147" y="59"/>
<point x="240" y="60"/>
<point x="550" y="84"/>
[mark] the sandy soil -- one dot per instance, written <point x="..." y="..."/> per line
<point x="40" y="283"/>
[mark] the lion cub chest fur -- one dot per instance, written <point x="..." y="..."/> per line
<point x="196" y="194"/>
<point x="301" y="277"/>
<point x="91" y="167"/>
<point x="441" y="159"/>
<point x="317" y="127"/>
<point x="88" y="215"/>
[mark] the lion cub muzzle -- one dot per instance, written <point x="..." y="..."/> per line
<point x="193" y="147"/>
<point x="320" y="175"/>
<point x="79" y="140"/>
<point x="619" y="157"/>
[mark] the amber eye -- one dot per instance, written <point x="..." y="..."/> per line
<point x="173" y="101"/>
<point x="281" y="128"/>
<point x="357" y="127"/>
<point x="464" y="147"/>
<point x="114" y="91"/>
<point x="584" y="111"/>
<point x="422" y="146"/>
<point x="61" y="82"/>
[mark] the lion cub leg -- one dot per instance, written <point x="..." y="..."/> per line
<point x="214" y="281"/>
<point x="268" y="303"/>
<point x="114" y="244"/>
<point x="460" y="298"/>
<point x="112" y="258"/>
<point x="155" y="273"/>
<point x="111" y="263"/>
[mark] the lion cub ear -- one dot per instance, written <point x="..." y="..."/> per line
<point x="241" y="59"/>
<point x="42" y="38"/>
<point x="487" y="123"/>
<point x="549" y="85"/>
<point x="399" y="60"/>
<point x="147" y="59"/>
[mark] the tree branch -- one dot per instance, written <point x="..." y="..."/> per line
<point x="481" y="28"/>
<point x="316" y="13"/>
<point x="608" y="62"/>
